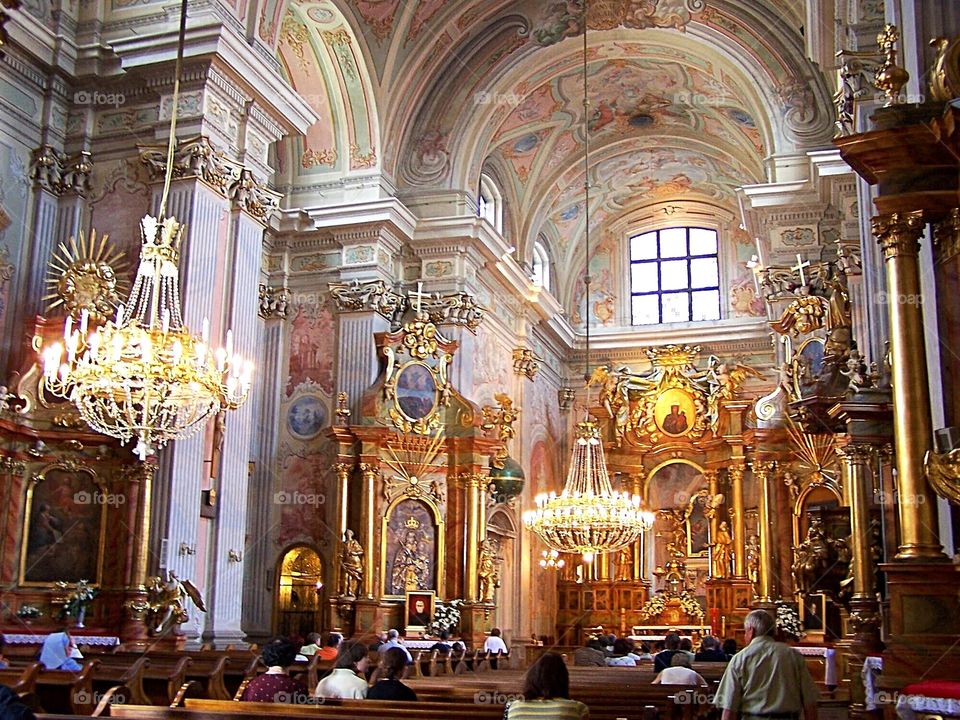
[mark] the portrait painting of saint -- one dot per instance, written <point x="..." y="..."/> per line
<point x="419" y="609"/>
<point x="410" y="549"/>
<point x="63" y="537"/>
<point x="416" y="391"/>
<point x="674" y="412"/>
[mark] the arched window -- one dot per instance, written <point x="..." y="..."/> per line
<point x="540" y="274"/>
<point x="674" y="276"/>
<point x="490" y="203"/>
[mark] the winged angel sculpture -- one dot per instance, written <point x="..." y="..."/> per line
<point x="166" y="598"/>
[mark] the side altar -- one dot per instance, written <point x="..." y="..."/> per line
<point x="411" y="494"/>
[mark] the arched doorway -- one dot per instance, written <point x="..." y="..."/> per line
<point x="299" y="592"/>
<point x="502" y="526"/>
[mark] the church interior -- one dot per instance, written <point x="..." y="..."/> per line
<point x="564" y="318"/>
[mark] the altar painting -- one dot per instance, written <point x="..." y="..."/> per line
<point x="410" y="549"/>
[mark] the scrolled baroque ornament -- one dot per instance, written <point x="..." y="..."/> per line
<point x="194" y="157"/>
<point x="274" y="302"/>
<point x="254" y="197"/>
<point x="53" y="171"/>
<point x="375" y="296"/>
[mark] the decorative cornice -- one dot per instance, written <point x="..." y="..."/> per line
<point x="55" y="172"/>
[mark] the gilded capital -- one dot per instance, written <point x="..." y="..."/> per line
<point x="762" y="469"/>
<point x="899" y="233"/>
<point x="343" y="470"/>
<point x="735" y="472"/>
<point x="946" y="237"/>
<point x="856" y="454"/>
<point x="369" y="470"/>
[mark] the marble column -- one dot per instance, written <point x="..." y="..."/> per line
<point x="229" y="537"/>
<point x="258" y="556"/>
<point x="357" y="361"/>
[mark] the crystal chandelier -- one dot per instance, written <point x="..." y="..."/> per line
<point x="551" y="560"/>
<point x="588" y="517"/>
<point x="143" y="375"/>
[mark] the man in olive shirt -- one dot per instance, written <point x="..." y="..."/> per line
<point x="767" y="680"/>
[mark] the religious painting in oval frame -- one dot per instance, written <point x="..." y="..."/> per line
<point x="675" y="412"/>
<point x="416" y="391"/>
<point x="306" y="417"/>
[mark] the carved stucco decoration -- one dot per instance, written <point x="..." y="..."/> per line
<point x="194" y="157"/>
<point x="458" y="308"/>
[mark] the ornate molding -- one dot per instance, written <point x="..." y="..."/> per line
<point x="898" y="233"/>
<point x="59" y="174"/>
<point x="458" y="308"/>
<point x="274" y="302"/>
<point x="254" y="197"/>
<point x="525" y="362"/>
<point x="194" y="157"/>
<point x="946" y="237"/>
<point x="565" y="398"/>
<point x="944" y="82"/>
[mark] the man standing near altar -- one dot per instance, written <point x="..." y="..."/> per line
<point x="767" y="680"/>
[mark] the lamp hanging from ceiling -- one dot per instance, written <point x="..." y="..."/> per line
<point x="144" y="375"/>
<point x="588" y="517"/>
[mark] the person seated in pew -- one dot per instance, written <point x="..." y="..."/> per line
<point x="441" y="645"/>
<point x="58" y="653"/>
<point x="592" y="655"/>
<point x="312" y="646"/>
<point x="661" y="661"/>
<point x="345" y="681"/>
<point x="12" y="708"/>
<point x="546" y="693"/>
<point x="679" y="673"/>
<point x="276" y="685"/>
<point x="686" y="646"/>
<point x="710" y="651"/>
<point x="620" y="656"/>
<point x="331" y="646"/>
<point x="379" y="642"/>
<point x="642" y="654"/>
<point x="495" y="645"/>
<point x="729" y="647"/>
<point x="388" y="685"/>
<point x="394" y="641"/>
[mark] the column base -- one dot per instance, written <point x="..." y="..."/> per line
<point x="924" y="623"/>
<point x="133" y="627"/>
<point x="861" y="639"/>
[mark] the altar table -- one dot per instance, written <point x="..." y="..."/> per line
<point x="938" y="697"/>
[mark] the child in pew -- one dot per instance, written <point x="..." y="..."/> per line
<point x="58" y="653"/>
<point x="388" y="685"/>
<point x="546" y="693"/>
<point x="276" y="685"/>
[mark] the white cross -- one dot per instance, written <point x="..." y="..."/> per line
<point x="799" y="268"/>
<point x="420" y="295"/>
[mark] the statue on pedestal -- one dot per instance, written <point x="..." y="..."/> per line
<point x="488" y="570"/>
<point x="166" y="599"/>
<point x="721" y="551"/>
<point x="625" y="563"/>
<point x="752" y="552"/>
<point x="351" y="565"/>
<point x="811" y="557"/>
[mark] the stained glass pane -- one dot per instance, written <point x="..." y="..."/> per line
<point x="676" y="307"/>
<point x="645" y="309"/>
<point x="703" y="273"/>
<point x="673" y="275"/>
<point x="643" y="277"/>
<point x="643" y="247"/>
<point x="673" y="242"/>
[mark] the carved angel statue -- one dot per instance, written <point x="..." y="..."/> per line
<point x="351" y="565"/>
<point x="166" y="598"/>
<point x="488" y="569"/>
<point x="612" y="396"/>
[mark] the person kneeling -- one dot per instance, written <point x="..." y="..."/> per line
<point x="388" y="685"/>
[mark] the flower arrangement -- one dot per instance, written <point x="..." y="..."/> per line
<point x="690" y="604"/>
<point x="654" y="606"/>
<point x="77" y="601"/>
<point x="658" y="603"/>
<point x="28" y="612"/>
<point x="446" y="616"/>
<point x="788" y="620"/>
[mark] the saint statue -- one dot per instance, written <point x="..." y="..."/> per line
<point x="488" y="570"/>
<point x="625" y="563"/>
<point x="811" y="557"/>
<point x="409" y="565"/>
<point x="721" y="551"/>
<point x="167" y="603"/>
<point x="752" y="552"/>
<point x="351" y="565"/>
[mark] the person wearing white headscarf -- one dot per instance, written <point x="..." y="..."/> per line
<point x="57" y="652"/>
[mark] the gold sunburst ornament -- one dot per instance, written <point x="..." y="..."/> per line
<point x="87" y="275"/>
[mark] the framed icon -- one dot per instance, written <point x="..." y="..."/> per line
<point x="419" y="609"/>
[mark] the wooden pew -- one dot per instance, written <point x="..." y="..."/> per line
<point x="22" y="680"/>
<point x="207" y="669"/>
<point x="62" y="691"/>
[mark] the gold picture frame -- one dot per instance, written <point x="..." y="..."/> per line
<point x="412" y="611"/>
<point x="47" y="531"/>
<point x="440" y="548"/>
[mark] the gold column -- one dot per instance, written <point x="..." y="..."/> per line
<point x="763" y="472"/>
<point x="141" y="475"/>
<point x="343" y="477"/>
<point x="735" y="473"/>
<point x="472" y="482"/>
<point x="640" y="546"/>
<point x="854" y="464"/>
<point x="368" y="519"/>
<point x="899" y="237"/>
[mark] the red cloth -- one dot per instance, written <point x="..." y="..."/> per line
<point x="935" y="689"/>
